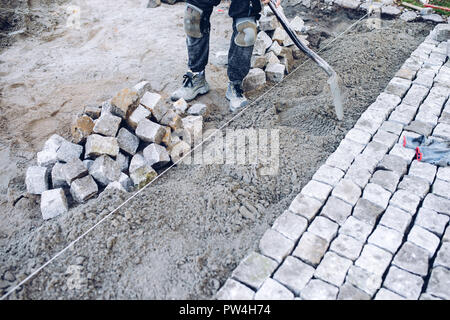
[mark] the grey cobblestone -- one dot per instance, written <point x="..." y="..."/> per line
<point x="364" y="280"/>
<point x="350" y="292"/>
<point x="446" y="236"/>
<point x="369" y="122"/>
<point x="403" y="114"/>
<point x="377" y="195"/>
<point x="233" y="290"/>
<point x="396" y="219"/>
<point x="423" y="170"/>
<point x="439" y="283"/>
<point x="347" y="191"/>
<point x="424" y="77"/>
<point x="376" y="150"/>
<point x="393" y="163"/>
<point x="387" y="179"/>
<point x="311" y="248"/>
<point x="274" y="245"/>
<point x="333" y="268"/>
<point x="444" y="173"/>
<point x="412" y="258"/>
<point x="405" y="201"/>
<point x="388" y="99"/>
<point x="305" y="206"/>
<point x="367" y="211"/>
<point x="319" y="290"/>
<point x="442" y="130"/>
<point x="273" y="290"/>
<point x="294" y="274"/>
<point x="347" y="246"/>
<point x="404" y="153"/>
<point x="374" y="259"/>
<point x="427" y="116"/>
<point x="358" y="175"/>
<point x="392" y="127"/>
<point x="427" y="296"/>
<point x="290" y="225"/>
<point x="419" y="127"/>
<point x="398" y="86"/>
<point x="386" y="138"/>
<point x="415" y="185"/>
<point x="324" y="228"/>
<point x="386" y="238"/>
<point x="351" y="147"/>
<point x="358" y="136"/>
<point x="365" y="161"/>
<point x="403" y="283"/>
<point x="328" y="175"/>
<point x="432" y="221"/>
<point x="340" y="159"/>
<point x="318" y="190"/>
<point x="436" y="203"/>
<point x="384" y="294"/>
<point x="356" y="228"/>
<point x="254" y="270"/>
<point x="443" y="256"/>
<point x="337" y="210"/>
<point x="424" y="239"/>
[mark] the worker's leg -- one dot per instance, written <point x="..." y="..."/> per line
<point x="244" y="14"/>
<point x="196" y="26"/>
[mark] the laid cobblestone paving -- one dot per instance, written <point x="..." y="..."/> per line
<point x="373" y="223"/>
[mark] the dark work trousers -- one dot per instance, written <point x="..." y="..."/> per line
<point x="238" y="57"/>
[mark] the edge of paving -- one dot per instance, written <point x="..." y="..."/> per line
<point x="270" y="272"/>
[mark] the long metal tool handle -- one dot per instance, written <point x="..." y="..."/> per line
<point x="310" y="53"/>
<point x="333" y="80"/>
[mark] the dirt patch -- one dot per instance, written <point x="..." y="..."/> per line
<point x="181" y="238"/>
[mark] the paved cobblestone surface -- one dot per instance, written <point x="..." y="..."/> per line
<point x="373" y="223"/>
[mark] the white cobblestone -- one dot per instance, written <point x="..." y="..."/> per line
<point x="384" y="294"/>
<point x="356" y="229"/>
<point x="347" y="246"/>
<point x="358" y="136"/>
<point x="386" y="238"/>
<point x="403" y="283"/>
<point x="443" y="256"/>
<point x="350" y="292"/>
<point x="274" y="245"/>
<point x="290" y="225"/>
<point x="439" y="283"/>
<point x="294" y="274"/>
<point x="405" y="201"/>
<point x="377" y="195"/>
<point x="233" y="290"/>
<point x="412" y="258"/>
<point x="347" y="191"/>
<point x="324" y="228"/>
<point x="333" y="268"/>
<point x="319" y="290"/>
<point x="328" y="175"/>
<point x="336" y="210"/>
<point x="432" y="221"/>
<point x="424" y="239"/>
<point x="402" y="152"/>
<point x="305" y="206"/>
<point x="396" y="219"/>
<point x="318" y="190"/>
<point x="273" y="290"/>
<point x="254" y="270"/>
<point x="374" y="259"/>
<point x="364" y="280"/>
<point x="311" y="248"/>
<point x="436" y="203"/>
<point x="415" y="185"/>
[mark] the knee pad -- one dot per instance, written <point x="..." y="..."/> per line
<point x="246" y="28"/>
<point x="192" y="21"/>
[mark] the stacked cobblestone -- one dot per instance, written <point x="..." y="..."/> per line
<point x="119" y="145"/>
<point x="373" y="223"/>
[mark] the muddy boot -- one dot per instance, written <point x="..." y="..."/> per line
<point x="193" y="85"/>
<point x="235" y="95"/>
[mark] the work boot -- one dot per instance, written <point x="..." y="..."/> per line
<point x="193" y="85"/>
<point x="235" y="95"/>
